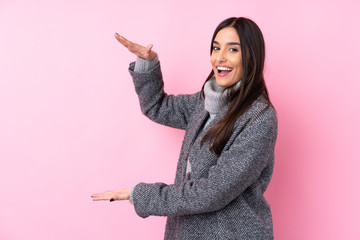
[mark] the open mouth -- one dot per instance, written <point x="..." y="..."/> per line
<point x="223" y="71"/>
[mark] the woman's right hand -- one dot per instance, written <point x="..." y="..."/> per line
<point x="138" y="50"/>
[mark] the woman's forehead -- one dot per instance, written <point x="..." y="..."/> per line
<point x="227" y="35"/>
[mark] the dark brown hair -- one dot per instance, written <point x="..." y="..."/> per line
<point x="252" y="84"/>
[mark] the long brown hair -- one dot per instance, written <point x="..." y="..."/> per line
<point x="252" y="84"/>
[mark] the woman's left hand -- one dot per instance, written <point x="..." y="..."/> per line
<point x="123" y="194"/>
<point x="138" y="50"/>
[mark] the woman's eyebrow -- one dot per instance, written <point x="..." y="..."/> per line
<point x="228" y="43"/>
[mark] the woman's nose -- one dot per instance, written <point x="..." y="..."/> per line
<point x="221" y="56"/>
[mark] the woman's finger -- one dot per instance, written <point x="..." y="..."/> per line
<point x="100" y="196"/>
<point x="126" y="43"/>
<point x="123" y="194"/>
<point x="133" y="47"/>
<point x="148" y="48"/>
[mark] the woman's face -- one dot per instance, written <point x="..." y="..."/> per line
<point x="226" y="57"/>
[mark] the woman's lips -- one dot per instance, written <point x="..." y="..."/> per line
<point x="223" y="71"/>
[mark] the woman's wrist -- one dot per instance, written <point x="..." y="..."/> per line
<point x="131" y="199"/>
<point x="143" y="65"/>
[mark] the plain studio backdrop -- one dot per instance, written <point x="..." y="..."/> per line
<point x="70" y="123"/>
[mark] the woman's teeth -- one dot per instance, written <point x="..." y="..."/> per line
<point x="223" y="69"/>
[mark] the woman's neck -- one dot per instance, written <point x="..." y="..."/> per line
<point x="216" y="99"/>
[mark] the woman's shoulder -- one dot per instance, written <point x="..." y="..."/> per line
<point x="262" y="112"/>
<point x="262" y="105"/>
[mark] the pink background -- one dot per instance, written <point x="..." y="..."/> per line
<point x="70" y="124"/>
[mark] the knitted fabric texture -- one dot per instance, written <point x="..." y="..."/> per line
<point x="216" y="99"/>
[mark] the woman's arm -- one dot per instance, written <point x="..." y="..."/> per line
<point x="169" y="110"/>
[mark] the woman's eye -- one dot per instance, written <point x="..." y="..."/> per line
<point x="233" y="50"/>
<point x="216" y="48"/>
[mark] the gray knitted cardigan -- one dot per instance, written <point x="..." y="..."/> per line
<point x="223" y="198"/>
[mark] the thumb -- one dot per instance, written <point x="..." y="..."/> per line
<point x="148" y="48"/>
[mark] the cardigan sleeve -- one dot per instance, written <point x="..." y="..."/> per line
<point x="169" y="110"/>
<point x="237" y="168"/>
<point x="143" y="65"/>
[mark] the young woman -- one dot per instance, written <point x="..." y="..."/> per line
<point x="227" y="156"/>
